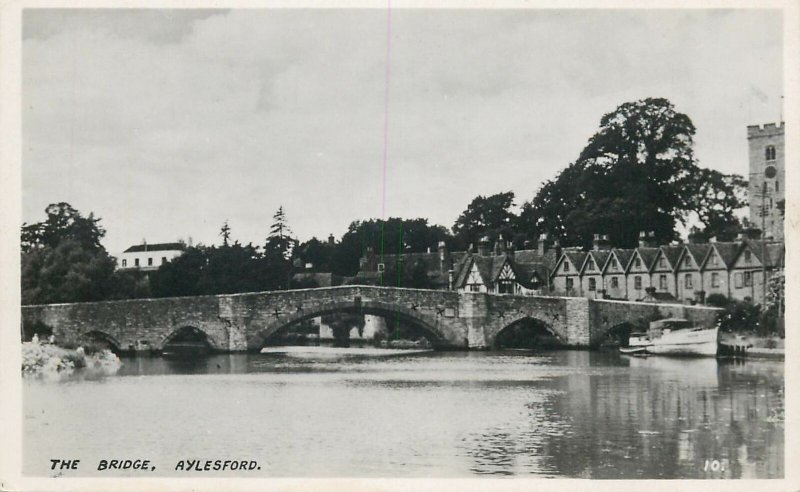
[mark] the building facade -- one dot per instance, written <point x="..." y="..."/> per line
<point x="148" y="257"/>
<point x="767" y="178"/>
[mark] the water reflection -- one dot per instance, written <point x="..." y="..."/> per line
<point x="564" y="413"/>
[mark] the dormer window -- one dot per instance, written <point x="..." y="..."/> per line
<point x="747" y="255"/>
<point x="566" y="266"/>
<point x="687" y="261"/>
<point x="662" y="262"/>
<point x="769" y="153"/>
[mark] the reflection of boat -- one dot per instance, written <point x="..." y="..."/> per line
<point x="674" y="336"/>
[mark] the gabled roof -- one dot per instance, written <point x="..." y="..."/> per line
<point x="599" y="256"/>
<point x="646" y="254"/>
<point x="623" y="256"/>
<point x="575" y="257"/>
<point x="774" y="252"/>
<point x="726" y="251"/>
<point x="139" y="248"/>
<point x="698" y="252"/>
<point x="672" y="254"/>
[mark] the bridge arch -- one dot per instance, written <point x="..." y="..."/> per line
<point x="187" y="331"/>
<point x="520" y="321"/>
<point x="103" y="337"/>
<point x="428" y="327"/>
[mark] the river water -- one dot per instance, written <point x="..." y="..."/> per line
<point x="435" y="414"/>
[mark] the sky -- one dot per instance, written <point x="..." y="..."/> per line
<point x="167" y="123"/>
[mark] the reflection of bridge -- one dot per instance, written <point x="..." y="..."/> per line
<point x="239" y="322"/>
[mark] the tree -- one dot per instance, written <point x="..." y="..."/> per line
<point x="637" y="173"/>
<point x="486" y="216"/>
<point x="715" y="197"/>
<point x="62" y="259"/>
<point x="384" y="237"/>
<point x="279" y="241"/>
<point x="225" y="232"/>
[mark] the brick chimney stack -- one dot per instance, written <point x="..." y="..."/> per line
<point x="443" y="257"/>
<point x="483" y="246"/>
<point x="543" y="244"/>
<point x="601" y="242"/>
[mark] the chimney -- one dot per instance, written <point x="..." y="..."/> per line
<point x="600" y="242"/>
<point x="331" y="240"/>
<point x="696" y="237"/>
<point x="543" y="244"/>
<point x="642" y="239"/>
<point x="483" y="246"/>
<point x="510" y="248"/>
<point x="500" y="246"/>
<point x="557" y="248"/>
<point x="443" y="256"/>
<point x="651" y="239"/>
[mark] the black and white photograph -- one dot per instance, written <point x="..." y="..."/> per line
<point x="388" y="240"/>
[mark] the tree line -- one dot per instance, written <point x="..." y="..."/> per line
<point x="637" y="172"/>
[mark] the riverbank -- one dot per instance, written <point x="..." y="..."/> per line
<point x="48" y="360"/>
<point x="772" y="347"/>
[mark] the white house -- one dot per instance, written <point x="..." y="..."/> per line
<point x="149" y="256"/>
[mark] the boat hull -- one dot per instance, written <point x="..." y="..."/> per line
<point x="678" y="342"/>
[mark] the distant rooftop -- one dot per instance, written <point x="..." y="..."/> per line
<point x="156" y="247"/>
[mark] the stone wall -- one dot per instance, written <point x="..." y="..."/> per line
<point x="450" y="320"/>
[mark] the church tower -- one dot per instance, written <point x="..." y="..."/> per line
<point x="767" y="189"/>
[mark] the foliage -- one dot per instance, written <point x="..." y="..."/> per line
<point x="637" y="173"/>
<point x="280" y="243"/>
<point x="717" y="300"/>
<point x="225" y="232"/>
<point x="486" y="216"/>
<point x="62" y="259"/>
<point x="383" y="237"/>
<point x="341" y="324"/>
<point x="316" y="252"/>
<point x="775" y="300"/>
<point x="746" y="317"/>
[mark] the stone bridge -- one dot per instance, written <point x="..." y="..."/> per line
<point x="246" y="322"/>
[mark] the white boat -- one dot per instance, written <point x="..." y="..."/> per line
<point x="674" y="336"/>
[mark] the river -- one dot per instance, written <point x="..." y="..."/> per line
<point x="431" y="414"/>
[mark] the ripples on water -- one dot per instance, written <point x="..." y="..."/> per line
<point x="431" y="414"/>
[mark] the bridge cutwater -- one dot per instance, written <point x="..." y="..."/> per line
<point x="247" y="322"/>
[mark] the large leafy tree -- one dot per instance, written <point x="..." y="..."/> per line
<point x="486" y="216"/>
<point x="63" y="260"/>
<point x="637" y="173"/>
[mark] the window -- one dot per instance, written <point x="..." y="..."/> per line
<point x="637" y="262"/>
<point x="712" y="259"/>
<point x="590" y="264"/>
<point x="566" y="266"/>
<point x="637" y="282"/>
<point x="474" y="288"/>
<point x="592" y="284"/>
<point x="747" y="255"/>
<point x="662" y="282"/>
<point x="506" y="287"/>
<point x="136" y="262"/>
<point x="662" y="262"/>
<point x="381" y="267"/>
<point x="569" y="284"/>
<point x="777" y="185"/>
<point x="737" y="278"/>
<point x="124" y="263"/>
<point x="163" y="260"/>
<point x="149" y="262"/>
<point x="613" y="264"/>
<point x="688" y="261"/>
<point x="715" y="279"/>
<point x="748" y="279"/>
<point x="614" y="282"/>
<point x="769" y="152"/>
<point x="688" y="281"/>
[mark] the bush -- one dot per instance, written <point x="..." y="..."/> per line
<point x="717" y="300"/>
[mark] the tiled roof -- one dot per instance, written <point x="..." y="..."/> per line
<point x="156" y="247"/>
<point x="774" y="252"/>
<point x="623" y="256"/>
<point x="727" y="251"/>
<point x="672" y="254"/>
<point x="647" y="255"/>
<point x="698" y="252"/>
<point x="576" y="258"/>
<point x="600" y="258"/>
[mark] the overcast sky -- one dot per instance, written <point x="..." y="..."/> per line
<point x="167" y="123"/>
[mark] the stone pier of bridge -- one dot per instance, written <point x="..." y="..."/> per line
<point x="247" y="322"/>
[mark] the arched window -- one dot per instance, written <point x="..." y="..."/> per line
<point x="769" y="153"/>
